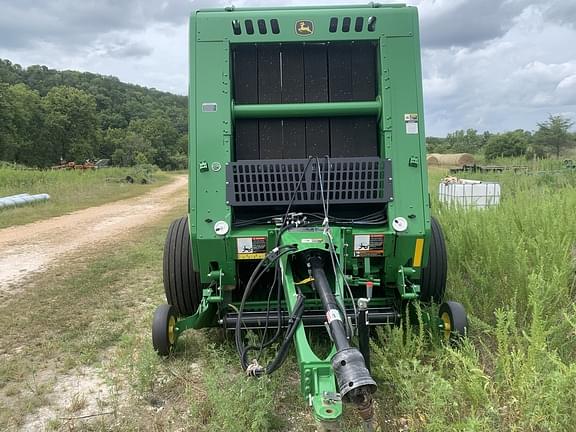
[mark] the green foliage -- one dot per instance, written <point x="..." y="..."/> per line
<point x="514" y="269"/>
<point x="233" y="402"/>
<point x="70" y="123"/>
<point x="508" y="144"/>
<point x="47" y="114"/>
<point x="553" y="135"/>
<point x="551" y="138"/>
<point x="460" y="141"/>
<point x="21" y="112"/>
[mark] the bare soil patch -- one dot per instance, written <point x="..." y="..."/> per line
<point x="30" y="248"/>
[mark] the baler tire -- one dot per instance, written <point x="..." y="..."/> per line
<point x="164" y="329"/>
<point x="455" y="320"/>
<point x="181" y="283"/>
<point x="433" y="280"/>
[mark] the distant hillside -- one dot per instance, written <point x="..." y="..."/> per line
<point x="46" y="114"/>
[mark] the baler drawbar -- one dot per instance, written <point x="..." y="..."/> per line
<point x="308" y="196"/>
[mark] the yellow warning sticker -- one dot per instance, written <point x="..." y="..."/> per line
<point x="251" y="256"/>
<point x="251" y="248"/>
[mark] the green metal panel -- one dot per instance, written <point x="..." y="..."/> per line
<point x="211" y="129"/>
<point x="422" y="137"/>
<point x="192" y="144"/>
<point x="212" y="114"/>
<point x="405" y="99"/>
<point x="214" y="25"/>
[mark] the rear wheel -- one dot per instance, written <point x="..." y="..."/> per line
<point x="433" y="281"/>
<point x="181" y="282"/>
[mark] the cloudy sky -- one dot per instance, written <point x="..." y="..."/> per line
<point x="488" y="64"/>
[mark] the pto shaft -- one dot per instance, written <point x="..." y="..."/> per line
<point x="354" y="381"/>
<point x="333" y="317"/>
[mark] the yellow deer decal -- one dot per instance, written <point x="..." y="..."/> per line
<point x="304" y="28"/>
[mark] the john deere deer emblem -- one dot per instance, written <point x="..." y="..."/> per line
<point x="304" y="27"/>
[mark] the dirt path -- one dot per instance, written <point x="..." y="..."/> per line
<point x="30" y="248"/>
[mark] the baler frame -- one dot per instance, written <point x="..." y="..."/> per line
<point x="373" y="253"/>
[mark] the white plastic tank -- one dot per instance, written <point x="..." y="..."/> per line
<point x="469" y="193"/>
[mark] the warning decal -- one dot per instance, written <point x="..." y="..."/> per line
<point x="251" y="248"/>
<point x="369" y="245"/>
<point x="332" y="315"/>
<point x="411" y="121"/>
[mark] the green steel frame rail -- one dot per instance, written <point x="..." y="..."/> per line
<point x="318" y="109"/>
<point x="317" y="379"/>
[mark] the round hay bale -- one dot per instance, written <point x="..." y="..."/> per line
<point x="432" y="159"/>
<point x="455" y="159"/>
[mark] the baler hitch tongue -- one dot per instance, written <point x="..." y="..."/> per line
<point x="355" y="383"/>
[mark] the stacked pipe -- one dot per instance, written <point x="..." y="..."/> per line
<point x="22" y="199"/>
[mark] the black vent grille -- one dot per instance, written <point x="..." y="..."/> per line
<point x="249" y="26"/>
<point x="273" y="182"/>
<point x="358" y="23"/>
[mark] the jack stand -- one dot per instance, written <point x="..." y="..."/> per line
<point x="364" y="331"/>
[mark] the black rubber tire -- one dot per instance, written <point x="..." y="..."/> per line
<point x="458" y="320"/>
<point x="163" y="336"/>
<point x="433" y="280"/>
<point x="181" y="283"/>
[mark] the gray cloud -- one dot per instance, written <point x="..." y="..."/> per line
<point x="511" y="82"/>
<point x="562" y="12"/>
<point x="28" y="23"/>
<point x="126" y="49"/>
<point x="487" y="64"/>
<point x="446" y="23"/>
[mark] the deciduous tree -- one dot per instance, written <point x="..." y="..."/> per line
<point x="553" y="134"/>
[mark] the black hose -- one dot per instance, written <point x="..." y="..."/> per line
<point x="278" y="285"/>
<point x="293" y="322"/>
<point x="271" y="258"/>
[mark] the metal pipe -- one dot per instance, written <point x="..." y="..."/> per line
<point x="21" y="199"/>
<point x="364" y="331"/>
<point x="331" y="307"/>
<point x="304" y="110"/>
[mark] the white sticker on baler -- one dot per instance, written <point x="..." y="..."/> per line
<point x="411" y="121"/>
<point x="332" y="315"/>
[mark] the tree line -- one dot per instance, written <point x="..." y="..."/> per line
<point x="552" y="139"/>
<point x="48" y="115"/>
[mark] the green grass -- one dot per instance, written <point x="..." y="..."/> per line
<point x="73" y="314"/>
<point x="68" y="190"/>
<point x="513" y="267"/>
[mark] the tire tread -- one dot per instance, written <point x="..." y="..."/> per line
<point x="181" y="283"/>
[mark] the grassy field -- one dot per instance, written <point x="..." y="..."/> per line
<point x="68" y="190"/>
<point x="513" y="267"/>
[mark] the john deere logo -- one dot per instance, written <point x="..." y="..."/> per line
<point x="304" y="27"/>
